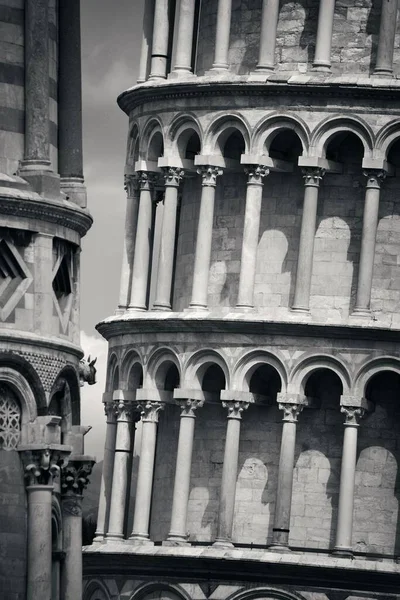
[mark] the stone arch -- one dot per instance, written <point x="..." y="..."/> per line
<point x="221" y="129"/>
<point x="247" y="365"/>
<point x="24" y="368"/>
<point x="21" y="388"/>
<point x="180" y="132"/>
<point x="307" y="366"/>
<point x="261" y="593"/>
<point x="96" y="590"/>
<point x="133" y="145"/>
<point x="72" y="403"/>
<point x="198" y="364"/>
<point x="267" y="129"/>
<point x="158" y="365"/>
<point x="152" y="140"/>
<point x="155" y="589"/>
<point x="331" y="126"/>
<point x="128" y="361"/>
<point x="371" y="368"/>
<point x="113" y="364"/>
<point x="386" y="137"/>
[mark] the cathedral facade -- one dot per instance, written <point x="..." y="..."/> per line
<point x="255" y="345"/>
<point x="43" y="216"/>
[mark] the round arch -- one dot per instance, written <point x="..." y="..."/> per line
<point x="249" y="363"/>
<point x="129" y="359"/>
<point x="158" y="364"/>
<point x="373" y="367"/>
<point x="153" y="591"/>
<point x="197" y="365"/>
<point x="302" y="371"/>
<point x="112" y="365"/>
<point x="219" y="131"/>
<point x="267" y="129"/>
<point x="133" y="145"/>
<point x="96" y="590"/>
<point x="386" y="137"/>
<point x="262" y="593"/>
<point x="26" y="371"/>
<point x="20" y="386"/>
<point x="179" y="133"/>
<point x="72" y="404"/>
<point x="325" y="131"/>
<point x="151" y="128"/>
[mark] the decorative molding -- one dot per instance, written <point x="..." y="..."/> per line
<point x="375" y="178"/>
<point x="131" y="185"/>
<point x="149" y="410"/>
<point x="189" y="406"/>
<point x="42" y="465"/>
<point x="209" y="175"/>
<point x="353" y="415"/>
<point x="173" y="176"/>
<point x="312" y="175"/>
<point x="146" y="180"/>
<point x="290" y="411"/>
<point x="126" y="410"/>
<point x="75" y="476"/>
<point x="235" y="408"/>
<point x="256" y="174"/>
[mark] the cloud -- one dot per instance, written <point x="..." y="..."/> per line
<point x="92" y="411"/>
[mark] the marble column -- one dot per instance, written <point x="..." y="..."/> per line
<point x="70" y="156"/>
<point x="251" y="231"/>
<point x="37" y="143"/>
<point x="159" y="52"/>
<point x="202" y="260"/>
<point x="143" y="243"/>
<point x="344" y="529"/>
<point x="322" y="58"/>
<point x="131" y="218"/>
<point x="178" y="530"/>
<point x="312" y="178"/>
<point x="173" y="177"/>
<point x="103" y="514"/>
<point x="222" y="35"/>
<point x="229" y="473"/>
<point x="387" y="34"/>
<point x="184" y="44"/>
<point x="281" y="529"/>
<point x="269" y="25"/>
<point x="147" y="41"/>
<point x="126" y="412"/>
<point x="74" y="479"/>
<point x="41" y="466"/>
<point x="144" y="488"/>
<point x="368" y="240"/>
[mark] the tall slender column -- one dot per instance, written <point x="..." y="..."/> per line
<point x="141" y="520"/>
<point x="368" y="240"/>
<point x="103" y="515"/>
<point x="131" y="218"/>
<point x="173" y="178"/>
<point x="222" y="35"/>
<point x="184" y="44"/>
<point x="178" y="531"/>
<point x="147" y="41"/>
<point x="387" y="33"/>
<point x="70" y="156"/>
<point x="251" y="231"/>
<point x="159" y="52"/>
<point x="143" y="243"/>
<point x="322" y="58"/>
<point x="75" y="478"/>
<point x="37" y="149"/>
<point x="281" y="529"/>
<point x="312" y="178"/>
<point x="41" y="465"/>
<point x="125" y="412"/>
<point x="204" y="237"/>
<point x="229" y="472"/>
<point x="344" y="529"/>
<point x="269" y="25"/>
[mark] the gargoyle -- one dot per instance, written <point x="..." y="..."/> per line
<point x="87" y="371"/>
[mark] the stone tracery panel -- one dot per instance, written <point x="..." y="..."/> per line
<point x="10" y="419"/>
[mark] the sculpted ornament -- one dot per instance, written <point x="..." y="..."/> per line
<point x="75" y="476"/>
<point x="42" y="466"/>
<point x="131" y="185"/>
<point x="375" y="178"/>
<point x="146" y="179"/>
<point x="126" y="410"/>
<point x="87" y="371"/>
<point x="235" y="408"/>
<point x="209" y="175"/>
<point x="290" y="411"/>
<point x="354" y="414"/>
<point x="313" y="175"/>
<point x="173" y="176"/>
<point x="149" y="410"/>
<point x="189" y="406"/>
<point x="256" y="174"/>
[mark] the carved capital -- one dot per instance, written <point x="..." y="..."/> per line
<point x="235" y="408"/>
<point x="75" y="476"/>
<point x="146" y="180"/>
<point x="189" y="407"/>
<point x="42" y="466"/>
<point x="256" y="174"/>
<point x="375" y="178"/>
<point x="173" y="176"/>
<point x="126" y="410"/>
<point x="109" y="411"/>
<point x="131" y="185"/>
<point x="313" y="175"/>
<point x="149" y="410"/>
<point x="209" y="175"/>
<point x="353" y="415"/>
<point x="291" y="411"/>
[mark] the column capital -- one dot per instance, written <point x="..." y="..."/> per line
<point x="235" y="408"/>
<point x="312" y="175"/>
<point x="109" y="411"/>
<point x="291" y="410"/>
<point x="131" y="184"/>
<point x="209" y="175"/>
<point x="149" y="410"/>
<point x="256" y="174"/>
<point x="189" y="406"/>
<point x="126" y="410"/>
<point x="173" y="176"/>
<point x="146" y="179"/>
<point x="353" y="415"/>
<point x="43" y="464"/>
<point x="375" y="178"/>
<point x="75" y="475"/>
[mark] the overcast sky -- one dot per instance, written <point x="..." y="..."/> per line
<point x="111" y="32"/>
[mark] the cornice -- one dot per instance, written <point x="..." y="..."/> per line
<point x="10" y="337"/>
<point x="61" y="213"/>
<point x="276" y="86"/>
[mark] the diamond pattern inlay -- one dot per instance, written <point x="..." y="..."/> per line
<point x="15" y="278"/>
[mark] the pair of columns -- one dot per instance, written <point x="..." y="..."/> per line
<point x="42" y="463"/>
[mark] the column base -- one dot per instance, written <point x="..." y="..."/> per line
<point x="43" y="182"/>
<point x="363" y="313"/>
<point x="322" y="67"/>
<point x="244" y="308"/>
<point x="383" y="73"/>
<point x="221" y="543"/>
<point x="75" y="190"/>
<point x="139" y="539"/>
<point x="301" y="310"/>
<point x="162" y="307"/>
<point x="181" y="73"/>
<point x="131" y="309"/>
<point x="344" y="552"/>
<point x="197" y="308"/>
<point x="276" y="547"/>
<point x="176" y="540"/>
<point x="114" y="537"/>
<point x="99" y="539"/>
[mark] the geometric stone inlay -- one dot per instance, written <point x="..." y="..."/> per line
<point x="15" y="278"/>
<point x="62" y="288"/>
<point x="10" y="419"/>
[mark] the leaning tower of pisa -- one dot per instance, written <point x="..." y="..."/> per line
<point x="256" y="335"/>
